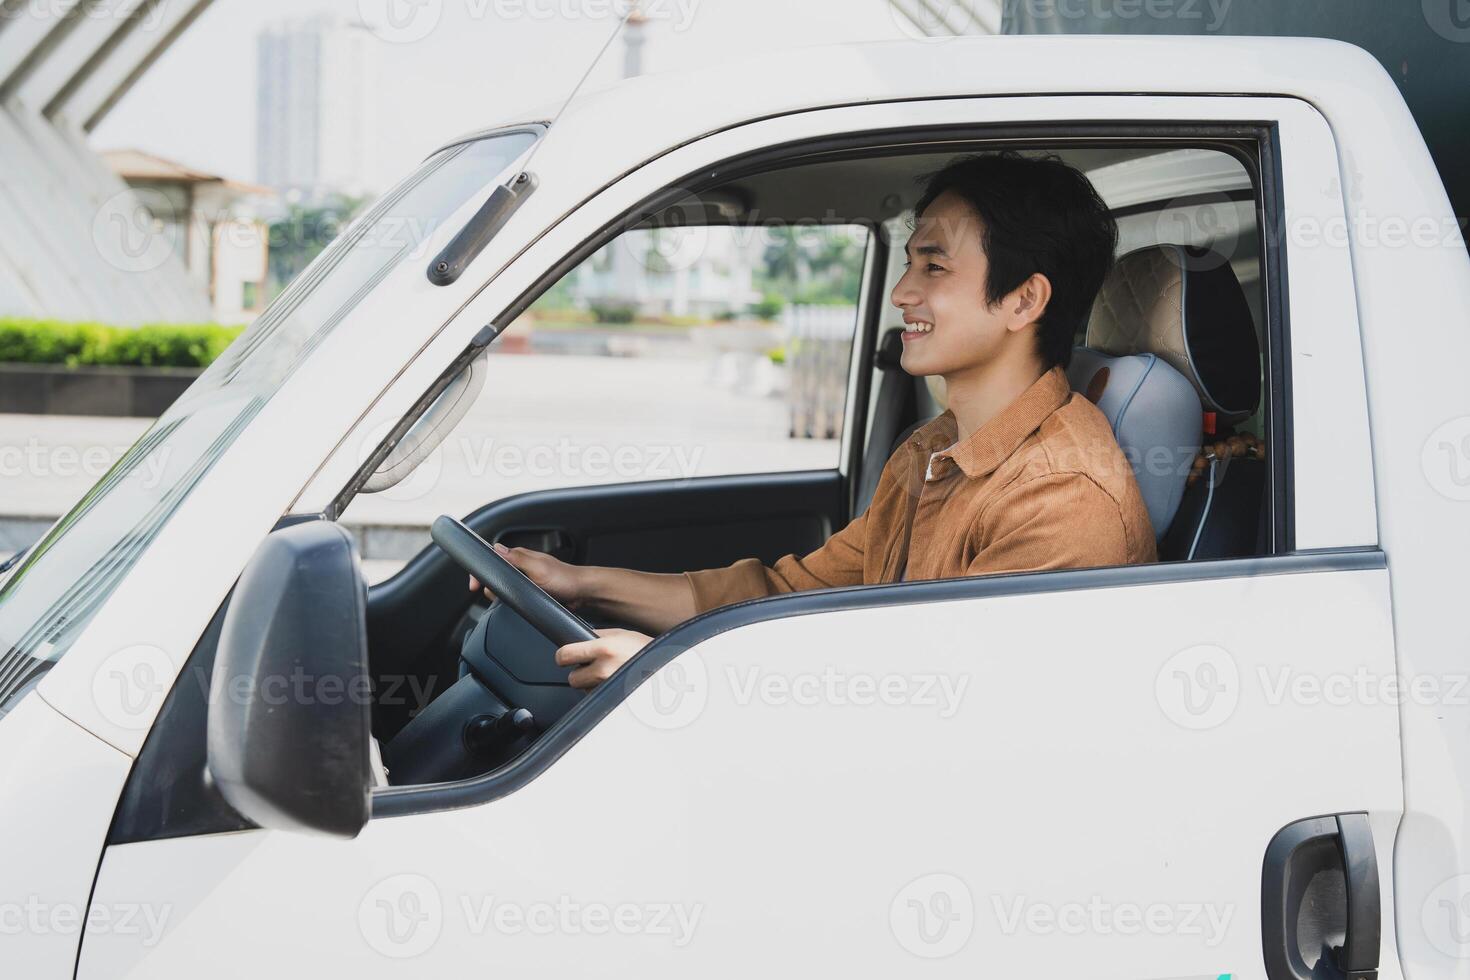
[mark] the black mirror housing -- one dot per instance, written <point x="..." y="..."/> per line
<point x="290" y="699"/>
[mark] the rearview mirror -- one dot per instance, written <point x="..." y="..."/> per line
<point x="290" y="700"/>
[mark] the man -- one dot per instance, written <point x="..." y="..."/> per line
<point x="1018" y="474"/>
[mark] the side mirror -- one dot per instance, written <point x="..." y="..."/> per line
<point x="290" y="698"/>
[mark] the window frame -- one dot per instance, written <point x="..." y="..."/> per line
<point x="1233" y="138"/>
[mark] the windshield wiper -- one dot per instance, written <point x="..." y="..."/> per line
<point x="449" y="264"/>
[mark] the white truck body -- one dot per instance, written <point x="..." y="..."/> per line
<point x="1088" y="810"/>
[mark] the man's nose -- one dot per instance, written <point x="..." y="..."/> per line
<point x="904" y="294"/>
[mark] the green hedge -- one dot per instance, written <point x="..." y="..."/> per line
<point x="614" y="314"/>
<point x="76" y="344"/>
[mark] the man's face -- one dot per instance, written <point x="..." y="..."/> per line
<point x="951" y="328"/>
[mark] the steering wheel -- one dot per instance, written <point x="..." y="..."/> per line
<point x="511" y="586"/>
<point x="490" y="713"/>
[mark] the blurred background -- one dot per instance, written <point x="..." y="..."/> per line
<point x="168" y="166"/>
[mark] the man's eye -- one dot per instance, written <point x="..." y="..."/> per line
<point x="933" y="266"/>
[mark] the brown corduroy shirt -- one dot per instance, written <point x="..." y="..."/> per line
<point x="1042" y="485"/>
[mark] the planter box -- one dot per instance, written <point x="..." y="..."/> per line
<point x="53" y="389"/>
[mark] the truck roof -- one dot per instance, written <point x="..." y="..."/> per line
<point x="652" y="112"/>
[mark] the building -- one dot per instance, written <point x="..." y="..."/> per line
<point x="316" y="122"/>
<point x="668" y="273"/>
<point x="75" y="245"/>
<point x="211" y="224"/>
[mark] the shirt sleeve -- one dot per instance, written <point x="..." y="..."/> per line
<point x="1061" y="520"/>
<point x="837" y="562"/>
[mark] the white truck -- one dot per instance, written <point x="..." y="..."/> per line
<point x="1251" y="758"/>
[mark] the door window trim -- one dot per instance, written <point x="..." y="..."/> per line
<point x="864" y="352"/>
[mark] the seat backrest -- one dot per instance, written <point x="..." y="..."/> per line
<point x="1182" y="309"/>
<point x="1155" y="416"/>
<point x="1185" y="305"/>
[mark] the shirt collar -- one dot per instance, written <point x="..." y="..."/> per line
<point x="996" y="440"/>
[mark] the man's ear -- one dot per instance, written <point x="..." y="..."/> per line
<point x="1027" y="302"/>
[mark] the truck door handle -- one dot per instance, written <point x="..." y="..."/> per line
<point x="1320" y="911"/>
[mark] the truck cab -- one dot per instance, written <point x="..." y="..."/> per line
<point x="222" y="750"/>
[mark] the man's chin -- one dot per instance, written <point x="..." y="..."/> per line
<point x="917" y="364"/>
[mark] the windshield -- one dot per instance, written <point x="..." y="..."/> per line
<point x="47" y="600"/>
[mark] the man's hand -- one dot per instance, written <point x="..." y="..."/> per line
<point x="556" y="578"/>
<point x="596" y="660"/>
<point x="654" y="601"/>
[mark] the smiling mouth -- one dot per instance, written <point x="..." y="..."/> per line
<point x="913" y="331"/>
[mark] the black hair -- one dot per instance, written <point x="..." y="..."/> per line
<point x="1037" y="214"/>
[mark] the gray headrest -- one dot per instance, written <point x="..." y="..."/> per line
<point x="1185" y="305"/>
<point x="1154" y="412"/>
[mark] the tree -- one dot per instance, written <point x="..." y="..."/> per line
<point x="301" y="235"/>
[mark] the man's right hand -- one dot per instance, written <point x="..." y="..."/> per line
<point x="561" y="581"/>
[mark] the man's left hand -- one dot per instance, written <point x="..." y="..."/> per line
<point x="596" y="660"/>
